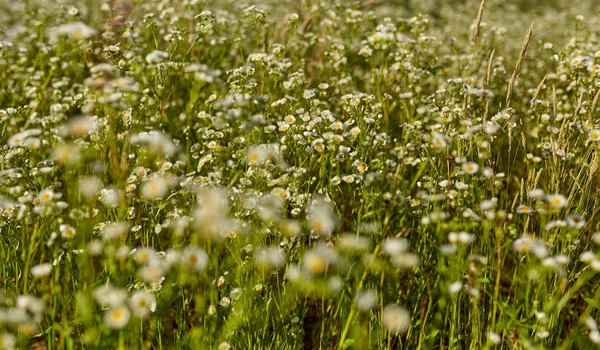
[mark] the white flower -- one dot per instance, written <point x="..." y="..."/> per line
<point x="41" y="270"/>
<point x="75" y="30"/>
<point x="80" y="126"/>
<point x="117" y="317"/>
<point x="537" y="193"/>
<point x="494" y="337"/>
<point x="394" y="246"/>
<point x="30" y="303"/>
<point x="212" y="309"/>
<point x="225" y="302"/>
<point x="109" y="295"/>
<point x="224" y="346"/>
<point x="257" y="155"/>
<point x="576" y="221"/>
<point x="272" y="257"/>
<point x="470" y="168"/>
<point x="235" y="293"/>
<point x="556" y="200"/>
<point x="156" y="56"/>
<point x="46" y="195"/>
<point x="89" y="186"/>
<point x="366" y="300"/>
<point x="395" y="318"/>
<point x="115" y="230"/>
<point x="194" y="258"/>
<point x="455" y="287"/>
<point x="321" y="219"/>
<point x="438" y="140"/>
<point x="67" y="231"/>
<point x="594" y="135"/>
<point x="142" y="303"/>
<point x="156" y="188"/>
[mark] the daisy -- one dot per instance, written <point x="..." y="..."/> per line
<point x="195" y="258"/>
<point x="575" y="221"/>
<point x="556" y="200"/>
<point x="156" y="188"/>
<point x="470" y="168"/>
<point x="594" y="135"/>
<point x="523" y="209"/>
<point x="142" y="303"/>
<point x="395" y="318"/>
<point x="117" y="317"/>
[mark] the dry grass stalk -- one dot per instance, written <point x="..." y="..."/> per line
<point x="478" y="23"/>
<point x="518" y="65"/>
<point x="594" y="106"/>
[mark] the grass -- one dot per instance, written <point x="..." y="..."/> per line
<point x="332" y="175"/>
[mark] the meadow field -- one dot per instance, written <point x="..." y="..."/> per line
<point x="299" y="174"/>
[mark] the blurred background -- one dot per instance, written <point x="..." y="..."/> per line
<point x="555" y="20"/>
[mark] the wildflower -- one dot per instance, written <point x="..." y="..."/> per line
<point x="66" y="153"/>
<point x="73" y="11"/>
<point x="67" y="231"/>
<point x="336" y="180"/>
<point x="394" y="246"/>
<point x="395" y="318"/>
<point x="142" y="303"/>
<point x="536" y="194"/>
<point x="225" y="302"/>
<point x="156" y="188"/>
<point x="41" y="270"/>
<point x="470" y="168"/>
<point x="523" y="209"/>
<point x="89" y="186"/>
<point x="321" y="219"/>
<point x="406" y="260"/>
<point x="46" y="195"/>
<point x="576" y="221"/>
<point x="318" y="145"/>
<point x="156" y="56"/>
<point x="31" y="304"/>
<point x="80" y="126"/>
<point x="556" y="200"/>
<point x="32" y="143"/>
<point x="348" y="179"/>
<point x="76" y="30"/>
<point x="235" y="293"/>
<point x="366" y="300"/>
<point x="156" y="141"/>
<point x="144" y="255"/>
<point x="224" y="346"/>
<point x="194" y="258"/>
<point x="115" y="230"/>
<point x="117" y="317"/>
<point x="212" y="309"/>
<point x="594" y="135"/>
<point x="256" y="155"/>
<point x="362" y="167"/>
<point x="271" y="257"/>
<point x="455" y="287"/>
<point x="438" y="140"/>
<point x="576" y="62"/>
<point x="354" y="242"/>
<point x="494" y="338"/>
<point x="528" y="244"/>
<point x="314" y="263"/>
<point x="7" y="341"/>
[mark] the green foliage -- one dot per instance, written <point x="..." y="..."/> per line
<point x="307" y="174"/>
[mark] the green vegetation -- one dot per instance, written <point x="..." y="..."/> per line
<point x="196" y="174"/>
